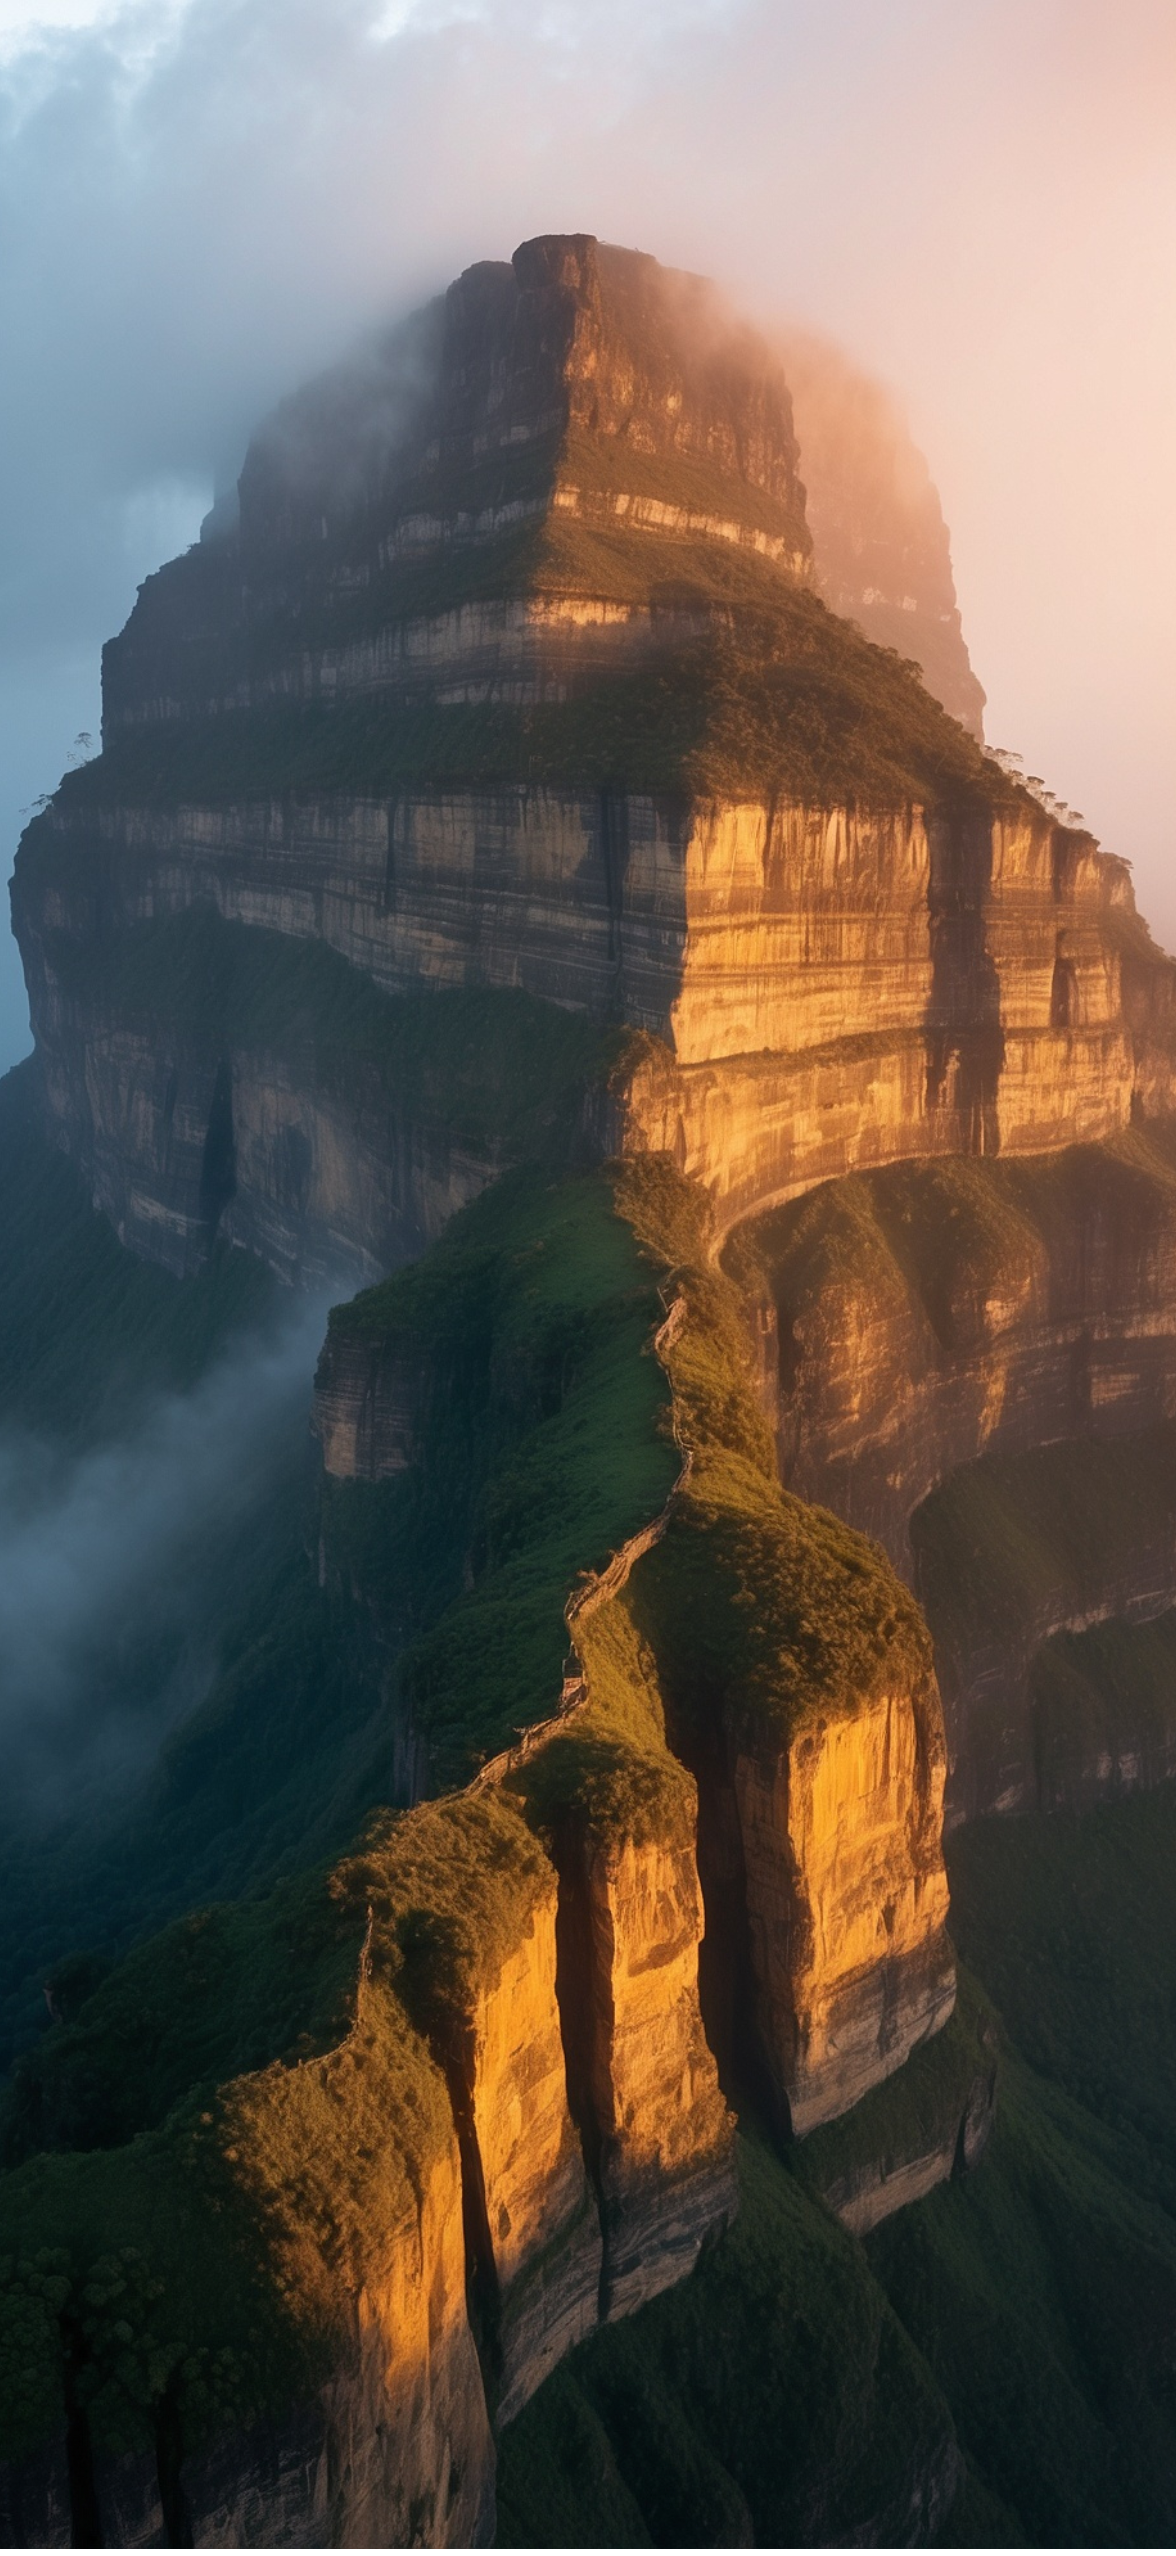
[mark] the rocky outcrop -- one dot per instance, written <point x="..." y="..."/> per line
<point x="914" y="2132"/>
<point x="578" y="385"/>
<point x="571" y="488"/>
<point x="818" y="1826"/>
<point x="659" y="2132"/>
<point x="847" y="1902"/>
<point x="829" y="991"/>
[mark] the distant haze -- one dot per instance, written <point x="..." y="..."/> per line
<point x="114" y="1563"/>
<point x="201" y="201"/>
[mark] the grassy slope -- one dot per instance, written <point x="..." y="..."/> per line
<point x="780" y="695"/>
<point x="541" y="1303"/>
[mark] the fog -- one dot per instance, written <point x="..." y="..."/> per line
<point x="201" y="201"/>
<point x="120" y="1567"/>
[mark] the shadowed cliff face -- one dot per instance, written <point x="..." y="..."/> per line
<point x="580" y="386"/>
<point x="881" y="552"/>
<point x="830" y="990"/>
<point x="913" y="1321"/>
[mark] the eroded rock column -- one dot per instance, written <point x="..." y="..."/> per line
<point x="846" y="1898"/>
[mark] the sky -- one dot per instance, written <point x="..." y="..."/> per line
<point x="201" y="201"/>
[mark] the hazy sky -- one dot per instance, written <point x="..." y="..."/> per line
<point x="200" y="200"/>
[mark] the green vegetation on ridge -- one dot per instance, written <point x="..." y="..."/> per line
<point x="786" y="698"/>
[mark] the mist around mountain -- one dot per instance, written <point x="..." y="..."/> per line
<point x="586" y="1874"/>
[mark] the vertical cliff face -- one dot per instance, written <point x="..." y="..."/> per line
<point x="656" y="2127"/>
<point x="882" y="554"/>
<point x="912" y="1322"/>
<point x="536" y="2244"/>
<point x="830" y="990"/>
<point x="847" y="1901"/>
<point x="407" y="2455"/>
<point x="511" y="679"/>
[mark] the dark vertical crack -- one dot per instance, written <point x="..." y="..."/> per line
<point x="579" y="1996"/>
<point x="85" y="2529"/>
<point x="965" y="1041"/>
<point x="726" y="1970"/>
<point x="483" y="2295"/>
<point x="169" y="2454"/>
<point x="614" y="857"/>
<point x="218" y="1169"/>
<point x="1063" y="993"/>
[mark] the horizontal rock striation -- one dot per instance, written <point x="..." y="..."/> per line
<point x="829" y="992"/>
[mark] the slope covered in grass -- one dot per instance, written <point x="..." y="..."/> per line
<point x="781" y="696"/>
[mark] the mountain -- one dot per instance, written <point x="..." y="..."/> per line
<point x="881" y="549"/>
<point x="516" y="2019"/>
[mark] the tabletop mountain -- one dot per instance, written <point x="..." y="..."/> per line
<point x="517" y="885"/>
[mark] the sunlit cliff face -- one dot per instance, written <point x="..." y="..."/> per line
<point x="502" y="861"/>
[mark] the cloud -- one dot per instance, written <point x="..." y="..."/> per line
<point x="202" y="201"/>
<point x="117" y="1566"/>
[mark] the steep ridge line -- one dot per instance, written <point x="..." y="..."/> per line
<point x="598" y="1587"/>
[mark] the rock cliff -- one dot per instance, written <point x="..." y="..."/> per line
<point x="881" y="552"/>
<point x="508" y="887"/>
<point x="584" y="735"/>
<point x="912" y="1321"/>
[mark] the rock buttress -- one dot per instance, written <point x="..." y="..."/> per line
<point x="847" y="1899"/>
<point x="798" y="1686"/>
<point x="642" y="2078"/>
<point x="471" y="1900"/>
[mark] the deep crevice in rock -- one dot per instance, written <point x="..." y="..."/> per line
<point x="577" y="1991"/>
<point x="85" y="2518"/>
<point x="218" y="1169"/>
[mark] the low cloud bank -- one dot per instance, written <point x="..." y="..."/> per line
<point x="120" y="1568"/>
